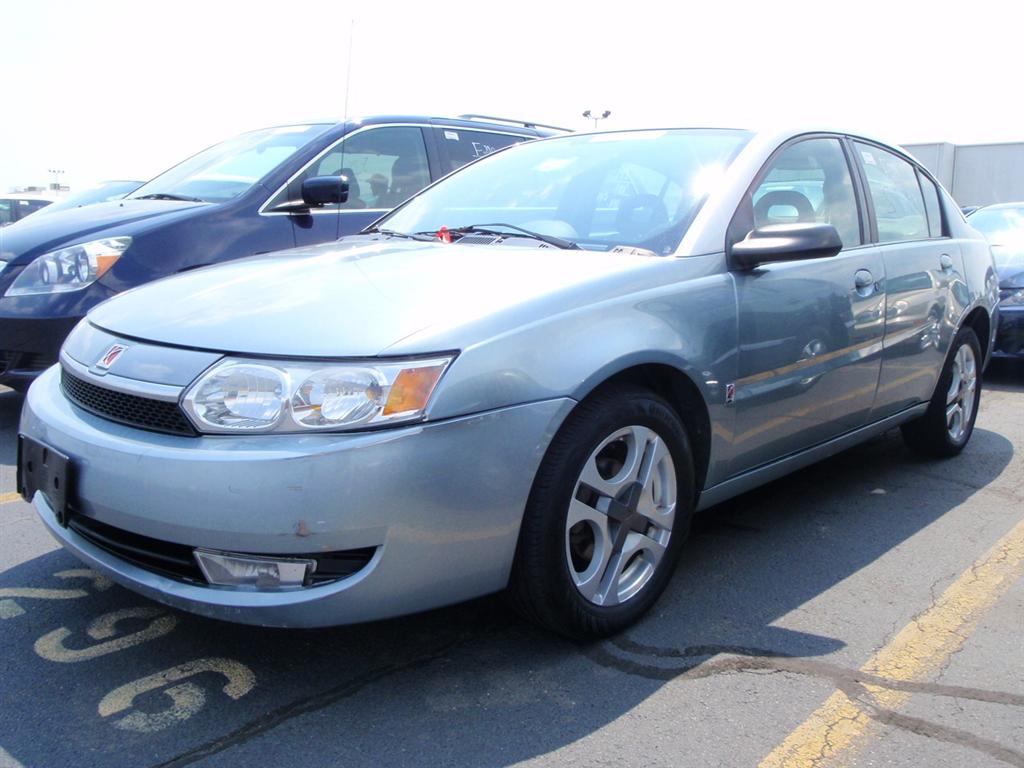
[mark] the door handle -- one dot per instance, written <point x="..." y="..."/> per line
<point x="945" y="262"/>
<point x="865" y="282"/>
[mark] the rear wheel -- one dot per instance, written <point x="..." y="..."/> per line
<point x="607" y="516"/>
<point x="947" y="425"/>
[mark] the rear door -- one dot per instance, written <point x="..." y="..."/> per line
<point x="923" y="268"/>
<point x="810" y="332"/>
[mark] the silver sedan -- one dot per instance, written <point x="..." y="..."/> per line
<point x="528" y="377"/>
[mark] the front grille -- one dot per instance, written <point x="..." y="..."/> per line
<point x="176" y="561"/>
<point x="136" y="411"/>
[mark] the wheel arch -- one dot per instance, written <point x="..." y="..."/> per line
<point x="979" y="321"/>
<point x="682" y="394"/>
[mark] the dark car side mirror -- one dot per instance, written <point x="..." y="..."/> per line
<point x="316" y="193"/>
<point x="324" y="190"/>
<point x="785" y="242"/>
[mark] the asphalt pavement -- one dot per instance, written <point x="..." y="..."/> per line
<point x="866" y="611"/>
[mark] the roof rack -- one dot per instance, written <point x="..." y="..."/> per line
<point x="511" y="121"/>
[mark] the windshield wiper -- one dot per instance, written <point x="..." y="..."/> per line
<point x="424" y="236"/>
<point x="485" y="229"/>
<point x="168" y="196"/>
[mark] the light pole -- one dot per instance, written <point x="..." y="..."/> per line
<point x="595" y="118"/>
<point x="56" y="178"/>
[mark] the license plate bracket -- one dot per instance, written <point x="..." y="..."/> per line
<point x="42" y="468"/>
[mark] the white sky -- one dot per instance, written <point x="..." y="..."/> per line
<point x="105" y="89"/>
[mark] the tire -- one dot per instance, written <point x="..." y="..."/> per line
<point x="595" y="573"/>
<point x="947" y="425"/>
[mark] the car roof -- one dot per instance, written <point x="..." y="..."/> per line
<point x="483" y="122"/>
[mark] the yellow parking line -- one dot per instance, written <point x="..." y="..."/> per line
<point x="919" y="650"/>
<point x="8" y="497"/>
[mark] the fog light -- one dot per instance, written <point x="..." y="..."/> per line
<point x="230" y="570"/>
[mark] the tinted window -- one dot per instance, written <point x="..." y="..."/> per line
<point x="896" y="195"/>
<point x="6" y="212"/>
<point x="31" y="206"/>
<point x="463" y="146"/>
<point x="931" y="205"/>
<point x="384" y="166"/>
<point x="810" y="182"/>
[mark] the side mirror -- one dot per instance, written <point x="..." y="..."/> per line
<point x="316" y="193"/>
<point x="785" y="242"/>
<point x="325" y="190"/>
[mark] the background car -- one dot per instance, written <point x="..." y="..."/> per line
<point x="15" y="207"/>
<point x="103" y="192"/>
<point x="1003" y="226"/>
<point x="527" y="377"/>
<point x="261" y="191"/>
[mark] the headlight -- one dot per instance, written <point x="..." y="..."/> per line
<point x="69" y="269"/>
<point x="268" y="396"/>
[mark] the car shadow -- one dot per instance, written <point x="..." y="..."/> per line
<point x="128" y="682"/>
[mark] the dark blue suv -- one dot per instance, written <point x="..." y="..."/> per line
<point x="262" y="191"/>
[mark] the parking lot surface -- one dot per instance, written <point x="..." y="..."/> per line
<point x="865" y="611"/>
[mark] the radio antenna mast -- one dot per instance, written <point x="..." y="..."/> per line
<point x="344" y="120"/>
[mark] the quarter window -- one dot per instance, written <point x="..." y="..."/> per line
<point x="810" y="182"/>
<point x="895" y="194"/>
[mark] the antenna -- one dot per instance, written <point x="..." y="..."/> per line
<point x="344" y="119"/>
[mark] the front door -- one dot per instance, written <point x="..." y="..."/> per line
<point x="810" y="332"/>
<point x="384" y="165"/>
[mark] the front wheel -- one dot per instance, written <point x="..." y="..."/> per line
<point x="946" y="426"/>
<point x="607" y="515"/>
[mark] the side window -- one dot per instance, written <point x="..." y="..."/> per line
<point x="810" y="182"/>
<point x="895" y="193"/>
<point x="6" y="212"/>
<point x="931" y="205"/>
<point x="463" y="146"/>
<point x="384" y="166"/>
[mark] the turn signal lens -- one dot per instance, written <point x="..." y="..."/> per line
<point x="412" y="390"/>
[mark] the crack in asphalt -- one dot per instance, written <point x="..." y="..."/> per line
<point x="948" y="734"/>
<point x="698" y="664"/>
<point x="317" y="701"/>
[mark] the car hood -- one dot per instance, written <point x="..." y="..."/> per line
<point x="353" y="299"/>
<point x="32" y="236"/>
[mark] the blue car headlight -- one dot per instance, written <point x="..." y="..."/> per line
<point x="249" y="395"/>
<point x="69" y="269"/>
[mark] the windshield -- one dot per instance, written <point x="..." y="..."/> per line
<point x="226" y="170"/>
<point x="636" y="189"/>
<point x="102" y="193"/>
<point x="1003" y="227"/>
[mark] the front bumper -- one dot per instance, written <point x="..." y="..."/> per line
<point x="28" y="346"/>
<point x="1010" y="335"/>
<point x="442" y="503"/>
